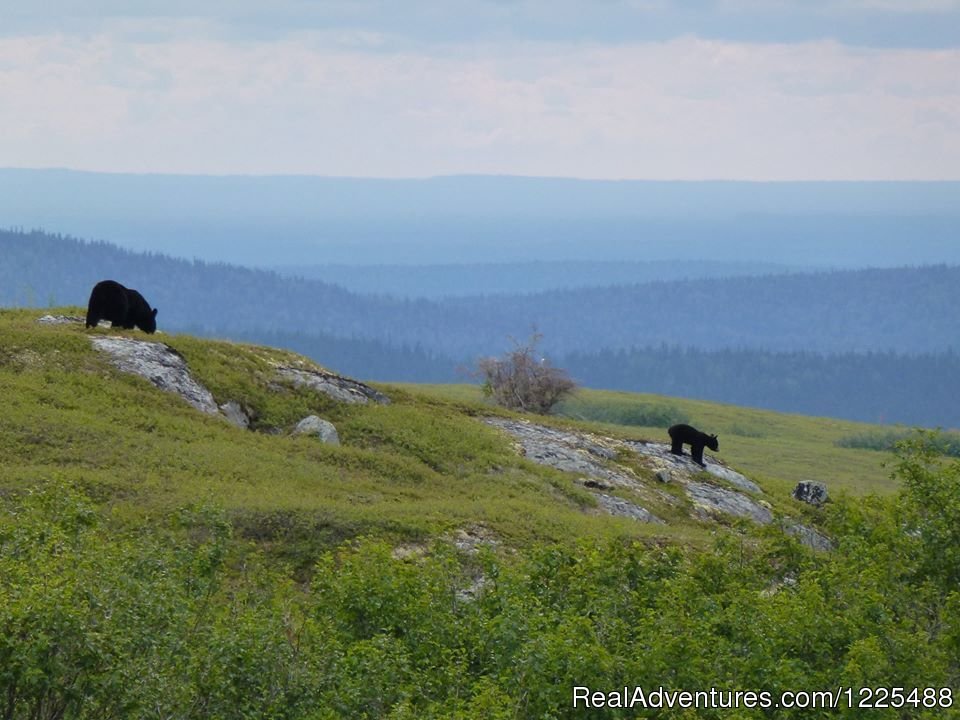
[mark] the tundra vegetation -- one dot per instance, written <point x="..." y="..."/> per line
<point x="158" y="562"/>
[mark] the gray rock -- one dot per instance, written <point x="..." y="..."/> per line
<point x="710" y="498"/>
<point x="809" y="536"/>
<point x="160" y="364"/>
<point x="579" y="453"/>
<point x="323" y="429"/>
<point x="814" y="493"/>
<point x="564" y="450"/>
<point x="339" y="388"/>
<point x="470" y="539"/>
<point x="664" y="476"/>
<point x="235" y="414"/>
<point x="60" y="320"/>
<point x="624" y="508"/>
<point x="686" y="464"/>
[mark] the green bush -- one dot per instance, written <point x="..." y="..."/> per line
<point x="182" y="619"/>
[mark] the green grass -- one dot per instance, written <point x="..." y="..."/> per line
<point x="416" y="468"/>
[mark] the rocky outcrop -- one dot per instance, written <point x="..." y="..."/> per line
<point x="323" y="429"/>
<point x="808" y="536"/>
<point x="339" y="388"/>
<point x="685" y="464"/>
<point x="588" y="456"/>
<point x="624" y="508"/>
<point x="236" y="414"/>
<point x="813" y="493"/>
<point x="564" y="450"/>
<point x="160" y="364"/>
<point x="598" y="462"/>
<point x="710" y="499"/>
<point x="60" y="320"/>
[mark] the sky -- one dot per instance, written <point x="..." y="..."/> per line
<point x="613" y="89"/>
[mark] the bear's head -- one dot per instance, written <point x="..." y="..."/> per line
<point x="713" y="443"/>
<point x="149" y="323"/>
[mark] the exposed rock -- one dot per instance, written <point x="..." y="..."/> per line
<point x="339" y="388"/>
<point x="471" y="539"/>
<point x="235" y="414"/>
<point x="685" y="464"/>
<point x="582" y="454"/>
<point x="564" y="450"/>
<point x="663" y="475"/>
<point x="710" y="498"/>
<point x="808" y="536"/>
<point x="471" y="592"/>
<point x="160" y="364"/>
<point x="60" y="320"/>
<point x="323" y="429"/>
<point x="814" y="493"/>
<point x="618" y="506"/>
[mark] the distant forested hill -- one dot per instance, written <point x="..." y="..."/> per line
<point x="906" y="310"/>
<point x="438" y="281"/>
<point x="866" y="344"/>
<point x="871" y="387"/>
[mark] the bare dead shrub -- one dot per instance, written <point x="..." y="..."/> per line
<point x="520" y="380"/>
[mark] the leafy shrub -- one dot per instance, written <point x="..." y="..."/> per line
<point x="179" y="620"/>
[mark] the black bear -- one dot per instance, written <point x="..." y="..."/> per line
<point x="123" y="307"/>
<point x="680" y="434"/>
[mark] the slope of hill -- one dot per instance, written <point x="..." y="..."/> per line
<point x="400" y="468"/>
<point x="446" y="560"/>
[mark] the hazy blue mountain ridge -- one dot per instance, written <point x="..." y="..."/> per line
<point x="906" y="310"/>
<point x="299" y="220"/>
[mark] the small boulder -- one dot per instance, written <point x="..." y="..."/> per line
<point x="323" y="429"/>
<point x="814" y="493"/>
<point x="664" y="476"/>
<point x="235" y="414"/>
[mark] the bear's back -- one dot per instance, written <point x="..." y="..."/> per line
<point x="108" y="301"/>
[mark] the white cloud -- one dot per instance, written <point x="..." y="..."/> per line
<point x="329" y="104"/>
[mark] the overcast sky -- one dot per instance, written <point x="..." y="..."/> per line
<point x="656" y="89"/>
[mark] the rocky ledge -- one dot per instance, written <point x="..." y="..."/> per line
<point x="160" y="364"/>
<point x="339" y="388"/>
<point x="713" y="491"/>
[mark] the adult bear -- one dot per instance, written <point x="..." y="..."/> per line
<point x="123" y="307"/>
<point x="680" y="434"/>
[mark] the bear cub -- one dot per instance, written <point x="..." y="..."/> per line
<point x="123" y="307"/>
<point x="680" y="434"/>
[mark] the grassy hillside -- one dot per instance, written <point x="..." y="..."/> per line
<point x="421" y="466"/>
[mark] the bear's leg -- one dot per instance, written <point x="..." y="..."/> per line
<point x="676" y="446"/>
<point x="92" y="319"/>
<point x="697" y="452"/>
